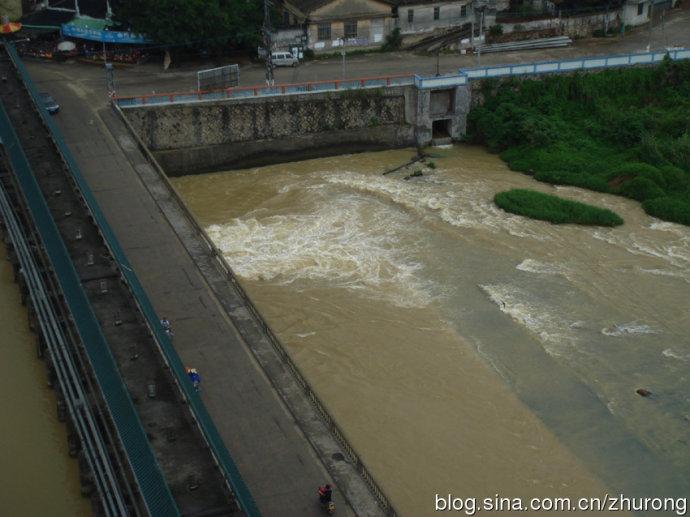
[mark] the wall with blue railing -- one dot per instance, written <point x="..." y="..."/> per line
<point x="462" y="77"/>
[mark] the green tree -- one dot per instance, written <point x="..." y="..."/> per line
<point x="200" y="23"/>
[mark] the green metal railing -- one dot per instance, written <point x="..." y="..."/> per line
<point x="154" y="490"/>
<point x="203" y="419"/>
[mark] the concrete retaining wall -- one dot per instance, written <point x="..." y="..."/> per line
<point x="204" y="136"/>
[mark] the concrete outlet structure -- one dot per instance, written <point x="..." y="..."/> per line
<point x="202" y="136"/>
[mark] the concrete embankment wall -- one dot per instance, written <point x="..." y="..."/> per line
<point x="234" y="133"/>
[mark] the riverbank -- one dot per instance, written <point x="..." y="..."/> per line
<point x="623" y="132"/>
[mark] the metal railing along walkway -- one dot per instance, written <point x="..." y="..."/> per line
<point x="463" y="76"/>
<point x="280" y="349"/>
<point x="573" y="65"/>
<point x="155" y="492"/>
<point x="244" y="92"/>
<point x="67" y="372"/>
<point x="144" y="466"/>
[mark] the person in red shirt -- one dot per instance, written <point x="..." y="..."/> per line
<point x="325" y="494"/>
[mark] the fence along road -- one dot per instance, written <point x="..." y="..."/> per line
<point x="461" y="77"/>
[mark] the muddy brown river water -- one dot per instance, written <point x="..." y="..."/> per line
<point x="37" y="477"/>
<point x="462" y="349"/>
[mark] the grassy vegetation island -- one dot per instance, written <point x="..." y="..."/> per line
<point x="554" y="209"/>
<point x="624" y="132"/>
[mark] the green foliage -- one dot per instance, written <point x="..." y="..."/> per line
<point x="308" y="54"/>
<point x="588" y="181"/>
<point x="393" y="41"/>
<point x="554" y="209"/>
<point x="669" y="209"/>
<point x="641" y="189"/>
<point x="496" y="30"/>
<point x="623" y="131"/>
<point x="210" y="24"/>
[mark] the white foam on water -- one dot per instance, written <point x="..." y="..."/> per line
<point x="464" y="205"/>
<point x="540" y="318"/>
<point x="671" y="249"/>
<point x="347" y="243"/>
<point x="660" y="272"/>
<point x="535" y="266"/>
<point x="672" y="354"/>
<point x="628" y="329"/>
<point x="669" y="227"/>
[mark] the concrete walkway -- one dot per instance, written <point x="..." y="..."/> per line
<point x="276" y="459"/>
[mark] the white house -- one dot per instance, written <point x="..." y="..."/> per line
<point x="428" y="15"/>
<point x="636" y="12"/>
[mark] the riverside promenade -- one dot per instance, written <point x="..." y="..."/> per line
<point x="272" y="443"/>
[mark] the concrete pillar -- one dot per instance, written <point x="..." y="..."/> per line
<point x="461" y="107"/>
<point x="423" y="124"/>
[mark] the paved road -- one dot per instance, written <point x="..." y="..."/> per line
<point x="150" y="77"/>
<point x="276" y="460"/>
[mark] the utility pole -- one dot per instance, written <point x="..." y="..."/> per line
<point x="267" y="43"/>
<point x="650" y="16"/>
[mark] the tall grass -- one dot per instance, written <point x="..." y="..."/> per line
<point x="625" y="132"/>
<point x="554" y="209"/>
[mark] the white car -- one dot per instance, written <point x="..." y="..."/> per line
<point x="284" y="59"/>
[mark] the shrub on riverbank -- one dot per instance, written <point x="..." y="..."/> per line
<point x="554" y="209"/>
<point x="669" y="208"/>
<point x="624" y="132"/>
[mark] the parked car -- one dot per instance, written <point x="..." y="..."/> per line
<point x="49" y="103"/>
<point x="284" y="59"/>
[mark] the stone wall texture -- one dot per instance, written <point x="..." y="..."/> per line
<point x="203" y="136"/>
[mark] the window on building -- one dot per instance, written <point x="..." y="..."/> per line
<point x="437" y="13"/>
<point x="640" y="8"/>
<point x="410" y="15"/>
<point x="324" y="31"/>
<point x="351" y="29"/>
<point x="463" y="11"/>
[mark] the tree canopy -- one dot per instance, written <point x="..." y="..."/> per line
<point x="199" y="23"/>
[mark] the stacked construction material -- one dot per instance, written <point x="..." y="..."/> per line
<point x="560" y="41"/>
